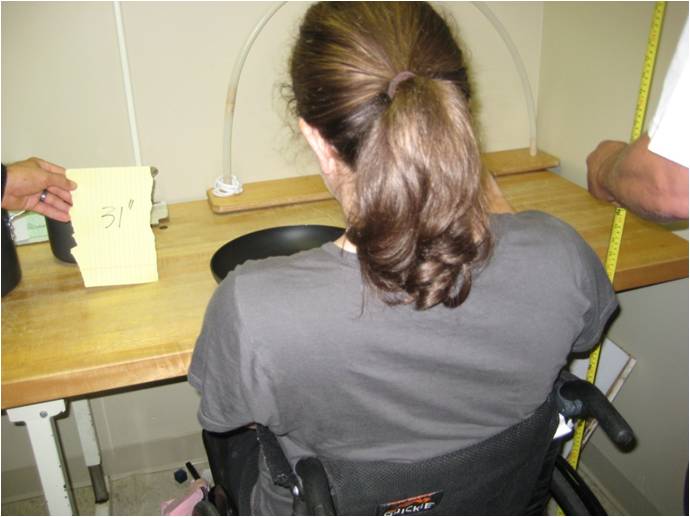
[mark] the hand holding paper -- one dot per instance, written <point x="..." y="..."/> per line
<point x="111" y="219"/>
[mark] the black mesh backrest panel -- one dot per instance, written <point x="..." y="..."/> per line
<point x="494" y="477"/>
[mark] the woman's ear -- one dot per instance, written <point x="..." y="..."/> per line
<point x="323" y="150"/>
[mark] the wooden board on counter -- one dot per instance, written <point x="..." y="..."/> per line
<point x="518" y="161"/>
<point x="307" y="189"/>
<point x="272" y="193"/>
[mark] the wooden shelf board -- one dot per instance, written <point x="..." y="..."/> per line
<point x="272" y="193"/>
<point x="518" y="161"/>
<point x="307" y="189"/>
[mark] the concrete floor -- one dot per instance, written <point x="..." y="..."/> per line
<point x="142" y="494"/>
<point x="138" y="494"/>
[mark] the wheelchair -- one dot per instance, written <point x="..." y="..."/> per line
<point x="515" y="472"/>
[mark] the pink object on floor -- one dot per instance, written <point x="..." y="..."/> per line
<point x="184" y="504"/>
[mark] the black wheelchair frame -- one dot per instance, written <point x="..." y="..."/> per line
<point x="314" y="492"/>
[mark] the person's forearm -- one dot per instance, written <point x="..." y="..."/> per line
<point x="646" y="183"/>
<point x="649" y="184"/>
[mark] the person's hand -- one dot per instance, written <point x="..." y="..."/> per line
<point x="38" y="185"/>
<point x="600" y="163"/>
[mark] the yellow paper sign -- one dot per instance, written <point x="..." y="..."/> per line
<point x="111" y="217"/>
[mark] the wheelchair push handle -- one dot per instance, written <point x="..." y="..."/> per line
<point x="593" y="403"/>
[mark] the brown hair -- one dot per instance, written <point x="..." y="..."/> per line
<point x="419" y="218"/>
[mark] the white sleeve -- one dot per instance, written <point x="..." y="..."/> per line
<point x="670" y="128"/>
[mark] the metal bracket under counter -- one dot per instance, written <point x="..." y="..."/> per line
<point x="50" y="462"/>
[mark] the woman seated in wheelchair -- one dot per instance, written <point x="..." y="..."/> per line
<point x="437" y="320"/>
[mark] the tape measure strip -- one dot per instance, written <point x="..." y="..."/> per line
<point x="648" y="69"/>
<point x="619" y="216"/>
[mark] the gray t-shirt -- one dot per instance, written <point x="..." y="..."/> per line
<point x="297" y="344"/>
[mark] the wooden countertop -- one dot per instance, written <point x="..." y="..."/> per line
<point x="649" y="253"/>
<point x="61" y="340"/>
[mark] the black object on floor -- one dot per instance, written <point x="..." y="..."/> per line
<point x="180" y="475"/>
<point x="192" y="470"/>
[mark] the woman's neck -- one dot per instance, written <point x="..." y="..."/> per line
<point x="345" y="244"/>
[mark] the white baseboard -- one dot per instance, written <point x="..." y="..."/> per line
<point x="607" y="500"/>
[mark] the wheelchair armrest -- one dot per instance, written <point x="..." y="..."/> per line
<point x="583" y="400"/>
<point x="316" y="491"/>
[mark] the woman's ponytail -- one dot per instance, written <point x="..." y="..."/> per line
<point x="385" y="85"/>
<point x="419" y="221"/>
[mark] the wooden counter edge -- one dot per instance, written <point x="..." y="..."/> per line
<point x="652" y="274"/>
<point x="130" y="374"/>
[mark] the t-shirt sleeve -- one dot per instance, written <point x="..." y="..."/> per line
<point x="226" y="369"/>
<point x="598" y="291"/>
<point x="669" y="129"/>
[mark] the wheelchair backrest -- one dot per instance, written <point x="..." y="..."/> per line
<point x="494" y="477"/>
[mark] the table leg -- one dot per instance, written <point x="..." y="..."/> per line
<point x="47" y="452"/>
<point x="89" y="446"/>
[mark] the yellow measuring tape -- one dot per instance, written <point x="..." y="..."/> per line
<point x="619" y="216"/>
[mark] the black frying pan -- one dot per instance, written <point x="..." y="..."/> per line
<point x="280" y="241"/>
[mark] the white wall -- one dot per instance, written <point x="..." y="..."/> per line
<point x="63" y="99"/>
<point x="61" y="93"/>
<point x="590" y="72"/>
